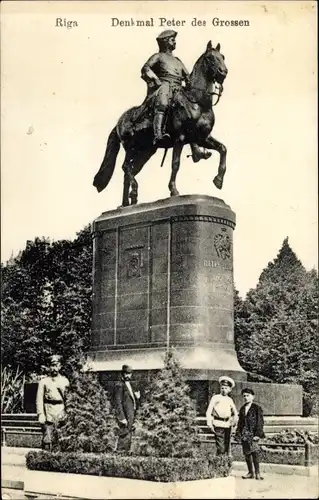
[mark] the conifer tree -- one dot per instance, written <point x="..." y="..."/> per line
<point x="166" y="422"/>
<point x="89" y="424"/>
<point x="276" y="326"/>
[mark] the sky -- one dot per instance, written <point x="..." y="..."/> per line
<point x="63" y="90"/>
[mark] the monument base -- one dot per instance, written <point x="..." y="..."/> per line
<point x="276" y="399"/>
<point x="163" y="277"/>
<point x="199" y="362"/>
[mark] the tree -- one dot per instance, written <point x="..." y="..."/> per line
<point x="166" y="422"/>
<point x="71" y="298"/>
<point x="46" y="303"/>
<point x="240" y="316"/>
<point x="24" y="313"/>
<point x="89" y="425"/>
<point x="276" y="325"/>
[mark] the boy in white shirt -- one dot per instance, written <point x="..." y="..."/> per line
<point x="222" y="415"/>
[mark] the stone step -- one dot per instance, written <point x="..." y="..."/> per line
<point x="275" y="429"/>
<point x="274" y="425"/>
<point x="20" y="423"/>
<point x="19" y="417"/>
<point x="269" y="429"/>
<point x="281" y="420"/>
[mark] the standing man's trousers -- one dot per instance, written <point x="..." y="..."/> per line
<point x="49" y="435"/>
<point x="222" y="437"/>
<point x="124" y="437"/>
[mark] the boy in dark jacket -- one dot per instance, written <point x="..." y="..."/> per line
<point x="250" y="429"/>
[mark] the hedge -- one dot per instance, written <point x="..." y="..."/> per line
<point x="287" y="436"/>
<point x="133" y="467"/>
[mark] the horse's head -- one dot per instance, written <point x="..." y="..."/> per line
<point x="215" y="67"/>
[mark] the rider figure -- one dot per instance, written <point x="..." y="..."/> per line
<point x="167" y="73"/>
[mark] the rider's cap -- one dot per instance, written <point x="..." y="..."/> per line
<point x="166" y="34"/>
<point x="226" y="380"/>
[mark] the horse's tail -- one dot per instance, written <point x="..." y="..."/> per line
<point x="106" y="171"/>
<point x="164" y="156"/>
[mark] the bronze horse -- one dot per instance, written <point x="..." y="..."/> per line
<point x="190" y="121"/>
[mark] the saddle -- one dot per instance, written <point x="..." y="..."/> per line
<point x="141" y="117"/>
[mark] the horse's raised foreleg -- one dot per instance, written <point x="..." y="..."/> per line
<point x="198" y="154"/>
<point x="176" y="160"/>
<point x="211" y="143"/>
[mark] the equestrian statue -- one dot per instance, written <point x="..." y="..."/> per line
<point x="177" y="110"/>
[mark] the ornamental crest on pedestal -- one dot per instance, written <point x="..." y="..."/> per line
<point x="222" y="244"/>
<point x="134" y="265"/>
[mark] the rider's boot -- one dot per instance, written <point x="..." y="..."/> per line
<point x="160" y="138"/>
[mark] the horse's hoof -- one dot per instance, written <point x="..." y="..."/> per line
<point x="206" y="155"/>
<point x="133" y="199"/>
<point x="201" y="155"/>
<point x="218" y="182"/>
<point x="174" y="193"/>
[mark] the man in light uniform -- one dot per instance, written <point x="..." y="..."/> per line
<point x="222" y="415"/>
<point x="50" y="402"/>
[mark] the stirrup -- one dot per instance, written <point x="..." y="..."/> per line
<point x="161" y="140"/>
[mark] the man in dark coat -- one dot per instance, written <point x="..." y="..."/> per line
<point x="250" y="429"/>
<point x="125" y="402"/>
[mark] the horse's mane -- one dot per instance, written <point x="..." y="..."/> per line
<point x="197" y="63"/>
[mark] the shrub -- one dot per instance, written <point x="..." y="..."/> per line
<point x="134" y="467"/>
<point x="288" y="436"/>
<point x="89" y="425"/>
<point x="165" y="424"/>
<point x="310" y="404"/>
<point x="11" y="390"/>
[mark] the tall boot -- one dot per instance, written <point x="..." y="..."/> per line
<point x="159" y="138"/>
<point x="249" y="462"/>
<point x="256" y="465"/>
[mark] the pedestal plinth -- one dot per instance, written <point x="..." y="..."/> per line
<point x="163" y="275"/>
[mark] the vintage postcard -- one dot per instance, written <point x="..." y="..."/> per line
<point x="184" y="134"/>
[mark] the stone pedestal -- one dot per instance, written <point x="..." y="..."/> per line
<point x="163" y="275"/>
